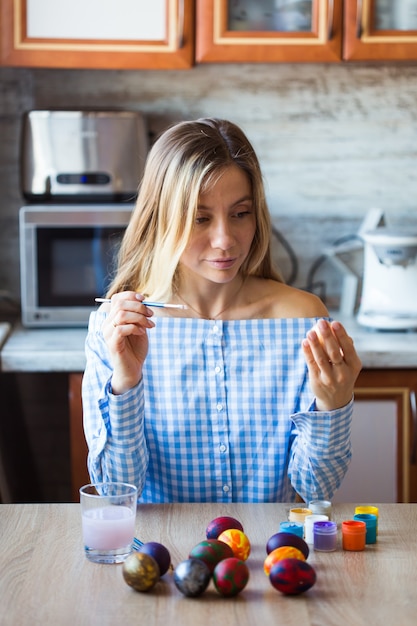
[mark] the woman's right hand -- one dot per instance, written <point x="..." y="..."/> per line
<point x="125" y="332"/>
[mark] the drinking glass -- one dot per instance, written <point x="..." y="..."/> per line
<point x="108" y="514"/>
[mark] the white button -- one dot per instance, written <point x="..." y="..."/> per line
<point x="219" y="406"/>
<point x="217" y="369"/>
<point x="222" y="448"/>
<point x="226" y="488"/>
<point x="215" y="329"/>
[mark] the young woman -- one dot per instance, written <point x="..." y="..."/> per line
<point x="245" y="393"/>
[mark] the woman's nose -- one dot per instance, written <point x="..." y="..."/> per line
<point x="222" y="236"/>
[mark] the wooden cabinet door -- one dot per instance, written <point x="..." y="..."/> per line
<point x="380" y="30"/>
<point x="399" y="386"/>
<point x="102" y="34"/>
<point x="268" y="31"/>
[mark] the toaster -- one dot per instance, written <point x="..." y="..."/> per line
<point x="82" y="155"/>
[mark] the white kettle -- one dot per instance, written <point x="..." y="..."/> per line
<point x="389" y="287"/>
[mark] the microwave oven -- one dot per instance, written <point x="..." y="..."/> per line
<point x="67" y="258"/>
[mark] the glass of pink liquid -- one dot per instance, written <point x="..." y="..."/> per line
<point x="108" y="514"/>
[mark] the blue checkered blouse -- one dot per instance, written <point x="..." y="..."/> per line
<point x="223" y="413"/>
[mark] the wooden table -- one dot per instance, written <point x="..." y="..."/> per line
<point x="46" y="579"/>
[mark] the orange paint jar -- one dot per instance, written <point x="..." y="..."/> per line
<point x="353" y="535"/>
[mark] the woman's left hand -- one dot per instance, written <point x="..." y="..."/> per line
<point x="333" y="364"/>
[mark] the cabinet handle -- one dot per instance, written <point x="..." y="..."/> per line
<point x="181" y="17"/>
<point x="330" y="16"/>
<point x="359" y="19"/>
<point x="413" y="406"/>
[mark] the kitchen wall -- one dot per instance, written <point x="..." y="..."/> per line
<point x="333" y="140"/>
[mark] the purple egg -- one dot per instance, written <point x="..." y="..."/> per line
<point x="159" y="552"/>
<point x="287" y="539"/>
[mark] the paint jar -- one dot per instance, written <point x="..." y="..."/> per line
<point x="325" y="536"/>
<point x="371" y="525"/>
<point x="309" y="524"/>
<point x="373" y="510"/>
<point x="353" y="535"/>
<point x="299" y="515"/>
<point x="292" y="527"/>
<point x="321" y="507"/>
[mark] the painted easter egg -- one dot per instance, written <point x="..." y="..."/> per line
<point x="238" y="541"/>
<point x="211" y="551"/>
<point x="230" y="576"/>
<point x="284" y="552"/>
<point x="140" y="571"/>
<point x="219" y="524"/>
<point x="159" y="552"/>
<point x="287" y="539"/>
<point x="192" y="577"/>
<point x="292" y="576"/>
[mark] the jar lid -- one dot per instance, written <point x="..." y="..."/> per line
<point x="325" y="527"/>
<point x="354" y="526"/>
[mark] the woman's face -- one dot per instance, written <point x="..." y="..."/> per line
<point x="223" y="231"/>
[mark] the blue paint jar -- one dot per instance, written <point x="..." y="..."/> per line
<point x="371" y="522"/>
<point x="292" y="527"/>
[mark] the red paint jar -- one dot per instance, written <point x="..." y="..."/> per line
<point x="353" y="535"/>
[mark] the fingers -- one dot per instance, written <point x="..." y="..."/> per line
<point x="332" y="362"/>
<point x="325" y="348"/>
<point x="127" y="310"/>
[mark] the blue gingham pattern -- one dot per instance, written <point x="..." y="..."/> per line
<point x="223" y="413"/>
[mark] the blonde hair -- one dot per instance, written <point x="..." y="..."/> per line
<point x="185" y="161"/>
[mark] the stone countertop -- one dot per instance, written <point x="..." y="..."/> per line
<point x="44" y="350"/>
<point x="62" y="349"/>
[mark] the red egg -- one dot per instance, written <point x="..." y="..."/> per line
<point x="211" y="551"/>
<point x="230" y="576"/>
<point x="219" y="524"/>
<point x="159" y="552"/>
<point x="292" y="576"/>
<point x="284" y="552"/>
<point x="287" y="539"/>
<point x="238" y="541"/>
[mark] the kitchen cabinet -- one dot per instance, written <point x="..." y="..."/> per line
<point x="269" y="31"/>
<point x="380" y="30"/>
<point x="102" y="34"/>
<point x="385" y="431"/>
<point x="176" y="34"/>
<point x="306" y="30"/>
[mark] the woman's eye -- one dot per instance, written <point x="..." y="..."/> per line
<point x="201" y="220"/>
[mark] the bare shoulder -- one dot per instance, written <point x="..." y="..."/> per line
<point x="276" y="299"/>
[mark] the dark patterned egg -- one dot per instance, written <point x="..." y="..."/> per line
<point x="211" y="551"/>
<point x="192" y="577"/>
<point x="219" y="524"/>
<point x="287" y="539"/>
<point x="159" y="552"/>
<point x="292" y="576"/>
<point x="140" y="571"/>
<point x="230" y="576"/>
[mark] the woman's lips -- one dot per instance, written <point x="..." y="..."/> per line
<point x="223" y="264"/>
